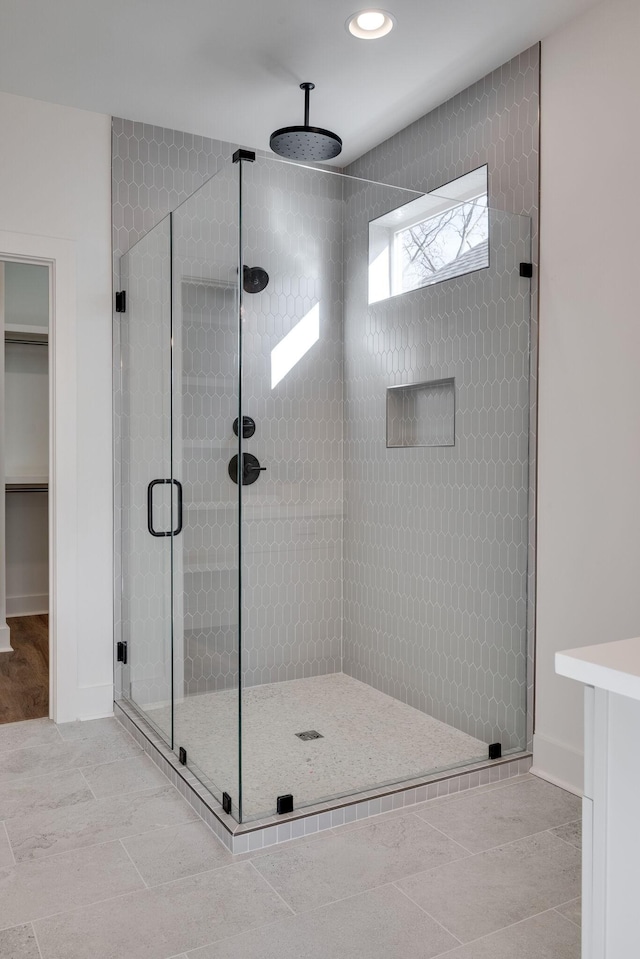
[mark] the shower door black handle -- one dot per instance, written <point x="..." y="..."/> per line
<point x="150" y="488"/>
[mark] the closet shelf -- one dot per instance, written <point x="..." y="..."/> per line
<point x="21" y="333"/>
<point x="26" y="489"/>
<point x="27" y="479"/>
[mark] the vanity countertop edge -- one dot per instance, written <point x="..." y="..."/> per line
<point x="612" y="666"/>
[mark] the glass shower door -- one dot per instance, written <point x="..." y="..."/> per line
<point x="206" y="398"/>
<point x="150" y="498"/>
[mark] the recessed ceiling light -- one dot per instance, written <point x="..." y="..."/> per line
<point x="370" y="24"/>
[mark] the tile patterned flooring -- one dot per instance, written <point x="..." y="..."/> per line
<point x="101" y="858"/>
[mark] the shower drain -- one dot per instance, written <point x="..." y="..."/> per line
<point x="309" y="734"/>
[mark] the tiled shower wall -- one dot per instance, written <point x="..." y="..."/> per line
<point x="292" y="516"/>
<point x="435" y="537"/>
<point x="453" y="655"/>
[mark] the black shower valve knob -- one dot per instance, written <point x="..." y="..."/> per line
<point x="254" y="279"/>
<point x="251" y="469"/>
<point x="248" y="427"/>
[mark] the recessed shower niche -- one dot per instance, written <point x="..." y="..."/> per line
<point x="421" y="414"/>
<point x="377" y="598"/>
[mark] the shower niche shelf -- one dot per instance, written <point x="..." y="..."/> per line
<point x="421" y="414"/>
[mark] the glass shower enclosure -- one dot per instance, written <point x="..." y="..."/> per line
<point x="323" y="431"/>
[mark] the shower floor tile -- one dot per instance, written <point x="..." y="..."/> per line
<point x="368" y="739"/>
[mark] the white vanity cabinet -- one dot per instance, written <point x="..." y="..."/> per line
<point x="611" y="805"/>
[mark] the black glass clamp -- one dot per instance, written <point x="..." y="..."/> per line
<point x="241" y="154"/>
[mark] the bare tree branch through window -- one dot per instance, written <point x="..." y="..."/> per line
<point x="428" y="247"/>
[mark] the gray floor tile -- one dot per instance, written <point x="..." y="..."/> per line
<point x="380" y="924"/>
<point x="338" y="831"/>
<point x="91" y="729"/>
<point x="544" y="937"/>
<point x="173" y="853"/>
<point x="493" y="818"/>
<point x="19" y="943"/>
<point x="32" y="732"/>
<point x="26" y="796"/>
<point x="6" y="856"/>
<point x="310" y="875"/>
<point x="123" y="776"/>
<point x="162" y="921"/>
<point x="572" y="910"/>
<point x="572" y="833"/>
<point x="34" y="889"/>
<point x="475" y="791"/>
<point x="40" y="760"/>
<point x="47" y="832"/>
<point x="493" y="889"/>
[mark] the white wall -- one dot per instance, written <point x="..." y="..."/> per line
<point x="55" y="181"/>
<point x="26" y="294"/>
<point x="589" y="413"/>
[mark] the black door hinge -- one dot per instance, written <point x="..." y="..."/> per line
<point x="121" y="301"/>
<point x="495" y="751"/>
<point x="284" y="804"/>
<point x="121" y="653"/>
<point x="226" y="803"/>
<point x="182" y="755"/>
<point x="526" y="270"/>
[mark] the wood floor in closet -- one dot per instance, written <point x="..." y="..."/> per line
<point x="24" y="673"/>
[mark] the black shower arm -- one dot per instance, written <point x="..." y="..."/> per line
<point x="307" y="87"/>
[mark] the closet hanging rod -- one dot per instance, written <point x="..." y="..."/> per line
<point x="27" y="489"/>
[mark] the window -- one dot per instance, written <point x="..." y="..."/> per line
<point x="436" y="237"/>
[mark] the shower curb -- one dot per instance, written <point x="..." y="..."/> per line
<point x="259" y="834"/>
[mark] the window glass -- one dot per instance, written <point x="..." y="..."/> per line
<point x="436" y="237"/>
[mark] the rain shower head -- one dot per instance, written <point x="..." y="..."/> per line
<point x="305" y="142"/>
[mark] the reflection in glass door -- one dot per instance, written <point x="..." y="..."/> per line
<point x="151" y="502"/>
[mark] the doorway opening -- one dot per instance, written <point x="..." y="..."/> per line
<point x="25" y="311"/>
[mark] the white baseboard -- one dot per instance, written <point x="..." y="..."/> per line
<point x="558" y="763"/>
<point x="5" y="639"/>
<point x="91" y="702"/>
<point x="34" y="605"/>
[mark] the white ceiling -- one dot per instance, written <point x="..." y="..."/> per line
<point x="230" y="69"/>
